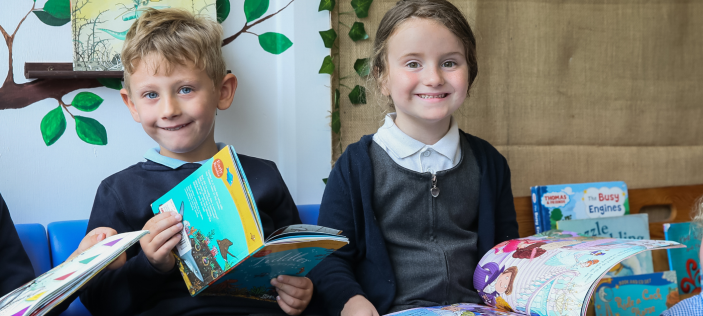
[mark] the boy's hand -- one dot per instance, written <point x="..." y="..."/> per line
<point x="294" y="293"/>
<point x="164" y="234"/>
<point x="359" y="306"/>
<point x="95" y="236"/>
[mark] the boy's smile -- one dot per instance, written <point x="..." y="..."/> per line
<point x="177" y="108"/>
<point x="427" y="77"/>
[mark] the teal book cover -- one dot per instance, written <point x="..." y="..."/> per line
<point x="636" y="295"/>
<point x="685" y="261"/>
<point x="553" y="203"/>
<point x="635" y="226"/>
<point x="223" y="250"/>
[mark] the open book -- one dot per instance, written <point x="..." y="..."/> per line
<point x="53" y="287"/>
<point x="548" y="274"/>
<point x="223" y="249"/>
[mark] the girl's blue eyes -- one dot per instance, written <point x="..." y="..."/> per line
<point x="414" y="64"/>
<point x="448" y="64"/>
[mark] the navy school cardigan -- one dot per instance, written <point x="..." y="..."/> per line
<point x="363" y="267"/>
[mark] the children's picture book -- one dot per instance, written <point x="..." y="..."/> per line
<point x="99" y="27"/>
<point x="553" y="203"/>
<point x="635" y="226"/>
<point x="636" y="295"/>
<point x="223" y="248"/>
<point x="549" y="274"/>
<point x="685" y="261"/>
<point x="42" y="294"/>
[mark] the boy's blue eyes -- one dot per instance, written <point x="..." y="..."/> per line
<point x="154" y="95"/>
<point x="186" y="90"/>
<point x="151" y="95"/>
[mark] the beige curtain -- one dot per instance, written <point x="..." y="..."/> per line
<point x="569" y="90"/>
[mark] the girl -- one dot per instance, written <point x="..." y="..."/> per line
<point x="421" y="201"/>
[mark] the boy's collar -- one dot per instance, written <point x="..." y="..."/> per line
<point x="173" y="163"/>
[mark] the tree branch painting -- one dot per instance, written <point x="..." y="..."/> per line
<point x="57" y="13"/>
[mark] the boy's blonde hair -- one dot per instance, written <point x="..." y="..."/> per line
<point x="177" y="36"/>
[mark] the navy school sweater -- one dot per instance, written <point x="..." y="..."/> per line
<point x="16" y="267"/>
<point x="363" y="267"/>
<point x="123" y="202"/>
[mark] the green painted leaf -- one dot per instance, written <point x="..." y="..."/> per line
<point x="328" y="37"/>
<point x="326" y="5"/>
<point x="336" y="99"/>
<point x="361" y="7"/>
<point x="327" y="66"/>
<point x="49" y="19"/>
<point x="324" y="180"/>
<point x="112" y="83"/>
<point x="254" y="9"/>
<point x="52" y="126"/>
<point x="60" y="9"/>
<point x="361" y="66"/>
<point x="90" y="130"/>
<point x="86" y="101"/>
<point x="274" y="43"/>
<point x="222" y="7"/>
<point x="358" y="95"/>
<point x="358" y="32"/>
<point x="336" y="124"/>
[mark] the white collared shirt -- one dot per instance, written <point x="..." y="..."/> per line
<point x="413" y="154"/>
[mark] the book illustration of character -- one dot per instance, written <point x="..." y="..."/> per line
<point x="530" y="250"/>
<point x="507" y="246"/>
<point x="224" y="245"/>
<point x="605" y="294"/>
<point x="490" y="280"/>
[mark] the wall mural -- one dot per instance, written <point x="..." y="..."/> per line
<point x="58" y="13"/>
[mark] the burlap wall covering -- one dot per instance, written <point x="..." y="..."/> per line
<point x="571" y="90"/>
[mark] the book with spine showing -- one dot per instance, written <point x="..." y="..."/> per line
<point x="635" y="226"/>
<point x="553" y="203"/>
<point x="685" y="261"/>
<point x="636" y="295"/>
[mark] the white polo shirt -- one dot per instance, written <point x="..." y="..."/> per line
<point x="413" y="154"/>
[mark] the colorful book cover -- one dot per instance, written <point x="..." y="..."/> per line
<point x="552" y="275"/>
<point x="685" y="261"/>
<point x="634" y="226"/>
<point x="222" y="234"/>
<point x="53" y="287"/>
<point x="99" y="27"/>
<point x="637" y="295"/>
<point x="552" y="203"/>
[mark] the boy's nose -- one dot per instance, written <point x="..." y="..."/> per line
<point x="432" y="77"/>
<point x="169" y="108"/>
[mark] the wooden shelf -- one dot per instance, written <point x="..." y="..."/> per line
<point x="64" y="71"/>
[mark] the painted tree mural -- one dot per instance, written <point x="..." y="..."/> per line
<point x="53" y="125"/>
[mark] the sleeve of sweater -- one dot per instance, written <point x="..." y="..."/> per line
<point x="334" y="279"/>
<point x="505" y="216"/>
<point x="17" y="269"/>
<point x="126" y="290"/>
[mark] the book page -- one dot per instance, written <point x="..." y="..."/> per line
<point x="554" y="275"/>
<point x="461" y="309"/>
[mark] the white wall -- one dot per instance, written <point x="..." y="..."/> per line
<point x="280" y="113"/>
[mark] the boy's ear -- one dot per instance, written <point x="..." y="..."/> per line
<point x="130" y="105"/>
<point x="227" y="89"/>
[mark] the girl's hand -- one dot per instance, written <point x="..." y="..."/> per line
<point x="294" y="293"/>
<point x="359" y="306"/>
<point x="95" y="236"/>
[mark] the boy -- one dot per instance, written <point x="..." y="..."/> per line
<point x="175" y="81"/>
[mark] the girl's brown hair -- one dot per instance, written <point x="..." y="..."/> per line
<point x="438" y="10"/>
<point x="513" y="273"/>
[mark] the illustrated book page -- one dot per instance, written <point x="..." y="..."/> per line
<point x="51" y="288"/>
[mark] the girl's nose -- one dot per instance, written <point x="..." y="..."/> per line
<point x="432" y="76"/>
